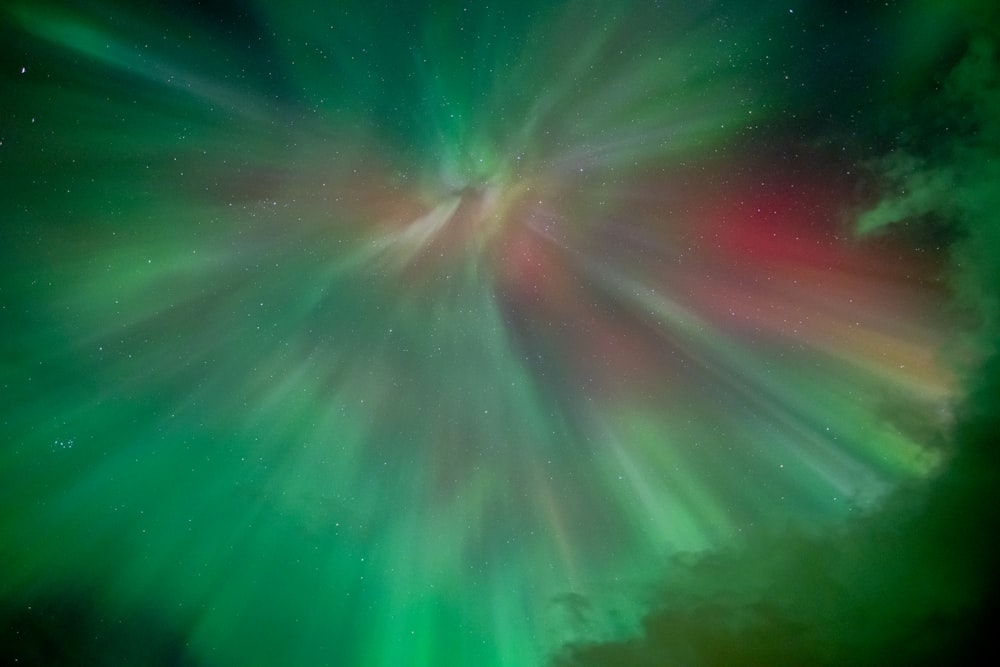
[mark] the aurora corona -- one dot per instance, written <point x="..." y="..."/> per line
<point x="455" y="335"/>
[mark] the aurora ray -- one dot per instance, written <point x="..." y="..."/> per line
<point x="342" y="335"/>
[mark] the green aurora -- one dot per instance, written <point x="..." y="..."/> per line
<point x="584" y="333"/>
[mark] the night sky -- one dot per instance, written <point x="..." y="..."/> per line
<point x="529" y="334"/>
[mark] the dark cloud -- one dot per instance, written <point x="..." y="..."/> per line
<point x="913" y="584"/>
<point x="948" y="174"/>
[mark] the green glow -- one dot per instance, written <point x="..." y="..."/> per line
<point x="444" y="335"/>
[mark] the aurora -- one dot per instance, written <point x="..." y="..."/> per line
<point x="503" y="334"/>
